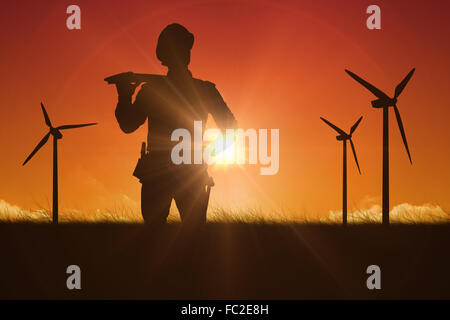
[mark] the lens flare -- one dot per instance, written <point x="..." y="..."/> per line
<point x="223" y="149"/>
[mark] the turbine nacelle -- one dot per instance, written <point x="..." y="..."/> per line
<point x="343" y="137"/>
<point x="56" y="133"/>
<point x="384" y="103"/>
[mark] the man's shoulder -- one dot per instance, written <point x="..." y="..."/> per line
<point x="205" y="85"/>
<point x="155" y="85"/>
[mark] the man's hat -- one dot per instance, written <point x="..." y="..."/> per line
<point x="174" y="43"/>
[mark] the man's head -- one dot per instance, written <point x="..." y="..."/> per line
<point x="174" y="46"/>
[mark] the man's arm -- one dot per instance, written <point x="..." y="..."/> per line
<point x="222" y="115"/>
<point x="130" y="116"/>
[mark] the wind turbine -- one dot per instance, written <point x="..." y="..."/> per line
<point x="384" y="101"/>
<point x="56" y="133"/>
<point x="343" y="136"/>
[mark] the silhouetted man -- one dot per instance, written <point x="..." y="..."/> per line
<point x="169" y="103"/>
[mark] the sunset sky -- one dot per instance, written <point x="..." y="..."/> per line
<point x="278" y="64"/>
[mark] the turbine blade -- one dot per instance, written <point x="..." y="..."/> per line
<point x="47" y="119"/>
<point x="402" y="131"/>
<point x="40" y="144"/>
<point x="71" y="126"/>
<point x="354" y="155"/>
<point x="402" y="85"/>
<point x="353" y="128"/>
<point x="377" y="92"/>
<point x="340" y="131"/>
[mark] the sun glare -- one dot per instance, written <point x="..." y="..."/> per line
<point x="224" y="149"/>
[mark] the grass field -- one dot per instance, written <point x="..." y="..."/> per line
<point x="120" y="213"/>
<point x="224" y="260"/>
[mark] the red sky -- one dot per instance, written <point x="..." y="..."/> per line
<point x="278" y="64"/>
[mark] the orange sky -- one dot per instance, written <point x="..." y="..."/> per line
<point x="278" y="64"/>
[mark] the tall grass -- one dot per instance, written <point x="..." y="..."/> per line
<point x="405" y="214"/>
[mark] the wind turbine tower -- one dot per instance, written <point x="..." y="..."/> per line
<point x="56" y="134"/>
<point x="384" y="101"/>
<point x="343" y="136"/>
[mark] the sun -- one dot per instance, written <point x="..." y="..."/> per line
<point x="224" y="149"/>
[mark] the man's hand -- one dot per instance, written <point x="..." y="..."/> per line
<point x="126" y="89"/>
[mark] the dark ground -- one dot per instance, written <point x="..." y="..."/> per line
<point x="224" y="261"/>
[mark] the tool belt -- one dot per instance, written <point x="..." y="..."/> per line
<point x="152" y="165"/>
<point x="155" y="165"/>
